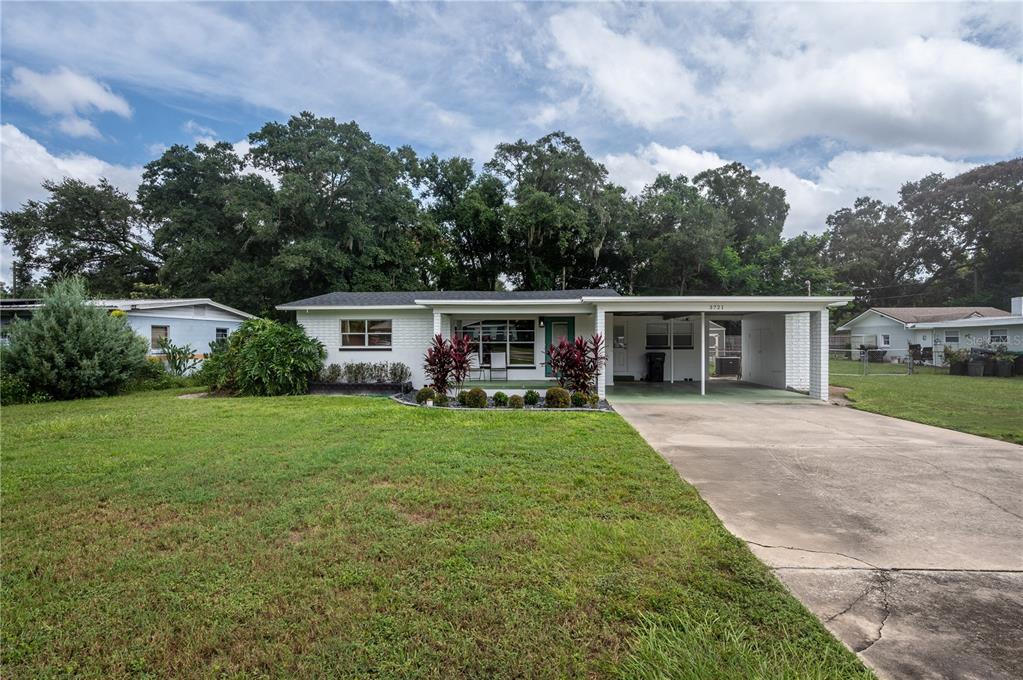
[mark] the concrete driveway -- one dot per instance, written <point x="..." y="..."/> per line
<point x="906" y="540"/>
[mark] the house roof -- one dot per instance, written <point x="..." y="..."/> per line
<point x="909" y="315"/>
<point x="975" y="322"/>
<point x="128" y="304"/>
<point x="409" y="298"/>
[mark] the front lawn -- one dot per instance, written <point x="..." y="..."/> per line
<point x="990" y="407"/>
<point x="351" y="537"/>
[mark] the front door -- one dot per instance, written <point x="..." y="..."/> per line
<point x="557" y="327"/>
<point x="620" y="360"/>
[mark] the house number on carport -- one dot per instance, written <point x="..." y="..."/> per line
<point x="713" y="307"/>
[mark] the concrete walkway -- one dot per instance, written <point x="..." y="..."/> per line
<point x="906" y="540"/>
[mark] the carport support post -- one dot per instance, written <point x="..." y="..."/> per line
<point x="436" y="323"/>
<point x="598" y="329"/>
<point x="703" y="353"/>
<point x="819" y="355"/>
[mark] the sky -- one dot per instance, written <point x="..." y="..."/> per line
<point x="829" y="101"/>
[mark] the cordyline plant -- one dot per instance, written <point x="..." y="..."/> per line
<point x="448" y="361"/>
<point x="576" y="364"/>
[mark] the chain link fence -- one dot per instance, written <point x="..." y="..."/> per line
<point x="866" y="360"/>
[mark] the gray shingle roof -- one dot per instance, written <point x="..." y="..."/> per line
<point x="389" y="298"/>
<point x="923" y="314"/>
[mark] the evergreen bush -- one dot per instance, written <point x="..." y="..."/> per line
<point x="71" y="348"/>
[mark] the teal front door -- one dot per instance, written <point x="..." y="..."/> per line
<point x="556" y="328"/>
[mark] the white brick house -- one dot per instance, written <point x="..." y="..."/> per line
<point x="784" y="339"/>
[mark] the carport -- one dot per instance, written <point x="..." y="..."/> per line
<point x="784" y="345"/>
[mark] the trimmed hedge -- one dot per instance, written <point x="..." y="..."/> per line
<point x="532" y="398"/>
<point x="476" y="398"/>
<point x="557" y="397"/>
<point x="425" y="394"/>
<point x="500" y="399"/>
<point x="516" y="401"/>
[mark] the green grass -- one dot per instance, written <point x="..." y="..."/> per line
<point x="990" y="407"/>
<point x="152" y="536"/>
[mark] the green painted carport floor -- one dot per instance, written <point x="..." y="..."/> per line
<point x="718" y="392"/>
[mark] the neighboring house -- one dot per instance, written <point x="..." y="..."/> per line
<point x="895" y="328"/>
<point x="192" y="321"/>
<point x="784" y="339"/>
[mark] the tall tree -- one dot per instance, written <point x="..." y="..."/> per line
<point x="966" y="232"/>
<point x="687" y="232"/>
<point x="95" y="231"/>
<point x="470" y="213"/>
<point x="554" y="188"/>
<point x="348" y="220"/>
<point x="756" y="209"/>
<point x="216" y="226"/>
<point x="869" y="250"/>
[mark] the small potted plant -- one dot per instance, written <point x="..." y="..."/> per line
<point x="975" y="367"/>
<point x="1003" y="362"/>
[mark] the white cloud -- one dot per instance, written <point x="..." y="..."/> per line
<point x="645" y="83"/>
<point x="201" y="134"/>
<point x="636" y="170"/>
<point x="78" y="127"/>
<point x="69" y="96"/>
<point x="921" y="95"/>
<point x="65" y="92"/>
<point x="25" y="163"/>
<point x="847" y="176"/>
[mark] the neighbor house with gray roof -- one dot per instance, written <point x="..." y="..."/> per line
<point x="894" y="329"/>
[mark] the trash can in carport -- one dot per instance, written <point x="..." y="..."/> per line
<point x="655" y="366"/>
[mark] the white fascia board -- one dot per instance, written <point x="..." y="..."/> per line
<point x="973" y="322"/>
<point x="498" y="303"/>
<point x="715" y="303"/>
<point x="349" y="308"/>
<point x="529" y="308"/>
<point x="128" y="305"/>
<point x="847" y="326"/>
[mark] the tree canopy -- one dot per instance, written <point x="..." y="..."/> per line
<point x="317" y="205"/>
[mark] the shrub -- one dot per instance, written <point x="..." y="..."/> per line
<point x="579" y="399"/>
<point x="357" y="372"/>
<point x="440" y="400"/>
<point x="425" y="394"/>
<point x="180" y="360"/>
<point x="500" y="399"/>
<point x="577" y="364"/>
<point x="593" y="399"/>
<point x="463" y="395"/>
<point x="399" y="373"/>
<point x="71" y="349"/>
<point x="265" y="358"/>
<point x="557" y="397"/>
<point x="153" y="376"/>
<point x="476" y="398"/>
<point x="516" y="401"/>
<point x="13" y="390"/>
<point x="330" y="374"/>
<point x="532" y="398"/>
<point x="447" y="362"/>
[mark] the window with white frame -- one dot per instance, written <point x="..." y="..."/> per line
<point x="886" y="340"/>
<point x="682" y="335"/>
<point x="998" y="336"/>
<point x="657" y="335"/>
<point x="515" y="338"/>
<point x="221" y="334"/>
<point x="952" y="337"/>
<point x="156" y="334"/>
<point x="366" y="334"/>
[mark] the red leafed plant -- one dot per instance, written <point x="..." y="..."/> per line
<point x="577" y="364"/>
<point x="447" y="362"/>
